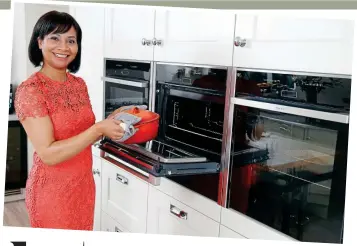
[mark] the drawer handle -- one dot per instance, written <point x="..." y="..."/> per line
<point x="122" y="179"/>
<point x="177" y="212"/>
<point x="117" y="229"/>
<point x="96" y="171"/>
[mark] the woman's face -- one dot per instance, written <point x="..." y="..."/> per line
<point x="59" y="49"/>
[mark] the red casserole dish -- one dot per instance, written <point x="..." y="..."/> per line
<point x="147" y="128"/>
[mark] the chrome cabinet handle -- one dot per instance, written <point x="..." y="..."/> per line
<point x="122" y="179"/>
<point x="157" y="42"/>
<point x="145" y="42"/>
<point x="177" y="212"/>
<point x="240" y="42"/>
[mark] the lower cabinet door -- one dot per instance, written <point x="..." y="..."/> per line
<point x="109" y="224"/>
<point x="168" y="216"/>
<point x="124" y="197"/>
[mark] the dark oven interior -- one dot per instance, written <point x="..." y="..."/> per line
<point x="191" y="104"/>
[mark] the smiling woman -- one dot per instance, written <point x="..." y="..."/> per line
<point x="54" y="107"/>
<point x="59" y="37"/>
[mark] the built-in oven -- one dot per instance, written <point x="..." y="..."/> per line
<point x="287" y="155"/>
<point x="126" y="83"/>
<point x="191" y="103"/>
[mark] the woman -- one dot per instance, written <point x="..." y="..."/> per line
<point x="54" y="108"/>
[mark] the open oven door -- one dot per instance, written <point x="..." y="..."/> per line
<point x="191" y="105"/>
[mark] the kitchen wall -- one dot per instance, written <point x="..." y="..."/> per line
<point x="5" y="4"/>
<point x="26" y="17"/>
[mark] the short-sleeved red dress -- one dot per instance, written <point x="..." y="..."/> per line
<point x="61" y="196"/>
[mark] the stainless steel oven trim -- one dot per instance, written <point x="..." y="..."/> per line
<point x="227" y="135"/>
<point x="342" y="76"/>
<point x="130" y="168"/>
<point x="334" y="117"/>
<point x="126" y="82"/>
<point x="103" y="84"/>
<point x="192" y="65"/>
<point x="153" y="87"/>
<point x="127" y="60"/>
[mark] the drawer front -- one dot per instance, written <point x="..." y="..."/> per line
<point x="124" y="197"/>
<point x="249" y="227"/>
<point x="171" y="217"/>
<point x="109" y="224"/>
<point x="191" y="199"/>
<point x="228" y="233"/>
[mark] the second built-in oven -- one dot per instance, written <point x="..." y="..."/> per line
<point x="126" y="83"/>
<point x="191" y="102"/>
<point x="288" y="152"/>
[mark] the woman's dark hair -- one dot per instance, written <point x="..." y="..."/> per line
<point x="54" y="22"/>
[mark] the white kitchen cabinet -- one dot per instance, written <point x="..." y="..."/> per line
<point x="286" y="42"/>
<point x="92" y="56"/>
<point x="124" y="197"/>
<point x="250" y="228"/>
<point x="194" y="200"/>
<point x="129" y="32"/>
<point x="110" y="225"/>
<point x="97" y="168"/>
<point x="171" y="217"/>
<point x="228" y="233"/>
<point x="194" y="36"/>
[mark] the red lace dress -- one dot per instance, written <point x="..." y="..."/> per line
<point x="61" y="196"/>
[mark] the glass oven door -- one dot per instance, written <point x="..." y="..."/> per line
<point x="118" y="93"/>
<point x="288" y="168"/>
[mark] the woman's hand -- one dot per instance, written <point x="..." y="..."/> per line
<point x="111" y="128"/>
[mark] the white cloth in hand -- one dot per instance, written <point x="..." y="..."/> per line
<point x="128" y="122"/>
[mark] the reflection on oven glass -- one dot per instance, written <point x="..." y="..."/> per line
<point x="118" y="95"/>
<point x="289" y="173"/>
<point x="312" y="92"/>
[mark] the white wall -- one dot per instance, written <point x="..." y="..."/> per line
<point x="26" y="16"/>
<point x="18" y="66"/>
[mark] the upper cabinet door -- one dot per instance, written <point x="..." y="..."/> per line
<point x="303" y="44"/>
<point x="129" y="32"/>
<point x="91" y="68"/>
<point x="194" y="36"/>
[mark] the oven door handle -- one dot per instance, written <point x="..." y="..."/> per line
<point x="142" y="84"/>
<point x="316" y="114"/>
